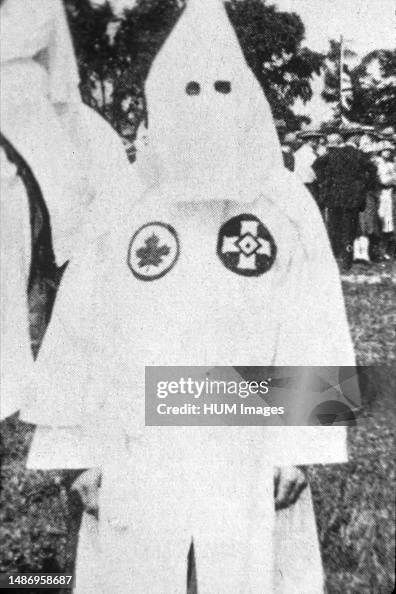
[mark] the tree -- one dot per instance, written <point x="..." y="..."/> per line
<point x="115" y="54"/>
<point x="372" y="97"/>
<point x="97" y="58"/>
<point x="272" y="44"/>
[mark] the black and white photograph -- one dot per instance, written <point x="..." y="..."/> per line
<point x="198" y="296"/>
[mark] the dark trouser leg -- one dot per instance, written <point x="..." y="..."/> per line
<point x="349" y="225"/>
<point x="375" y="247"/>
<point x="334" y="219"/>
<point x="390" y="244"/>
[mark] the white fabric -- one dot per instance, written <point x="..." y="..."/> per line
<point x="163" y="486"/>
<point x="243" y="154"/>
<point x="387" y="175"/>
<point x="304" y="158"/>
<point x="36" y="32"/>
<point x="297" y="564"/>
<point x="39" y="98"/>
<point x="294" y="314"/>
<point x="361" y="249"/>
<point x="385" y="210"/>
<point x="15" y="237"/>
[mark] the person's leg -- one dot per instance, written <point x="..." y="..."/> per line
<point x="333" y="227"/>
<point x="349" y="224"/>
<point x="375" y="247"/>
<point x="390" y="245"/>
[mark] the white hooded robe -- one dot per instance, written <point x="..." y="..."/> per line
<point x="67" y="145"/>
<point x="75" y="156"/>
<point x="215" y="265"/>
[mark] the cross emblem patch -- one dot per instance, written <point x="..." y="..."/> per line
<point x="245" y="246"/>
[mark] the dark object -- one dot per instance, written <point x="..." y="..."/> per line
<point x="191" y="571"/>
<point x="44" y="272"/>
<point x="223" y="86"/>
<point x="43" y="257"/>
<point x="152" y="253"/>
<point x="193" y="88"/>
<point x="245" y="246"/>
<point x="345" y="175"/>
<point x="342" y="224"/>
<point x="288" y="159"/>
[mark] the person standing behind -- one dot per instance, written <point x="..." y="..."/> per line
<point x="365" y="247"/>
<point x="305" y="157"/>
<point x="387" y="180"/>
<point x="288" y="145"/>
<point x="342" y="185"/>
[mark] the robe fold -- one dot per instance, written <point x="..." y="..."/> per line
<point x="15" y="236"/>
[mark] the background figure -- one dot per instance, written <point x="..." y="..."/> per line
<point x="342" y="187"/>
<point x="387" y="183"/>
<point x="39" y="98"/>
<point x="305" y="157"/>
<point x="322" y="146"/>
<point x="365" y="246"/>
<point x="288" y="147"/>
<point x="369" y="221"/>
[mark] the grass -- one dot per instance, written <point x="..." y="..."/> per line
<point x="354" y="502"/>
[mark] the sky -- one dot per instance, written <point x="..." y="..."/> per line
<point x="365" y="24"/>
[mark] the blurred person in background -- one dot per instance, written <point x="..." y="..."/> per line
<point x="342" y="188"/>
<point x="288" y="148"/>
<point x="322" y="146"/>
<point x="387" y="183"/>
<point x="305" y="157"/>
<point x="365" y="245"/>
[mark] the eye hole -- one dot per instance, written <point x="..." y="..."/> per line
<point x="223" y="86"/>
<point x="193" y="88"/>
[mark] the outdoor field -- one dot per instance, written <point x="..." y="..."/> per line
<point x="354" y="502"/>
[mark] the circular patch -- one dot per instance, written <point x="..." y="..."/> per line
<point x="245" y="246"/>
<point x="153" y="251"/>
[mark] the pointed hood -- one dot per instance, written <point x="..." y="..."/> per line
<point x="37" y="31"/>
<point x="211" y="130"/>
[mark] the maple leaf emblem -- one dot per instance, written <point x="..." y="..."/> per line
<point x="153" y="253"/>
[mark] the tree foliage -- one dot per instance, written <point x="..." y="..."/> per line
<point x="373" y="96"/>
<point x="115" y="54"/>
<point x="374" y="100"/>
<point x="272" y="42"/>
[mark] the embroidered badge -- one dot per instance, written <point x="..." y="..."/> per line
<point x="153" y="251"/>
<point x="245" y="246"/>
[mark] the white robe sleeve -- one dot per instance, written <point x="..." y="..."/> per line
<point x="314" y="331"/>
<point x="58" y="392"/>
